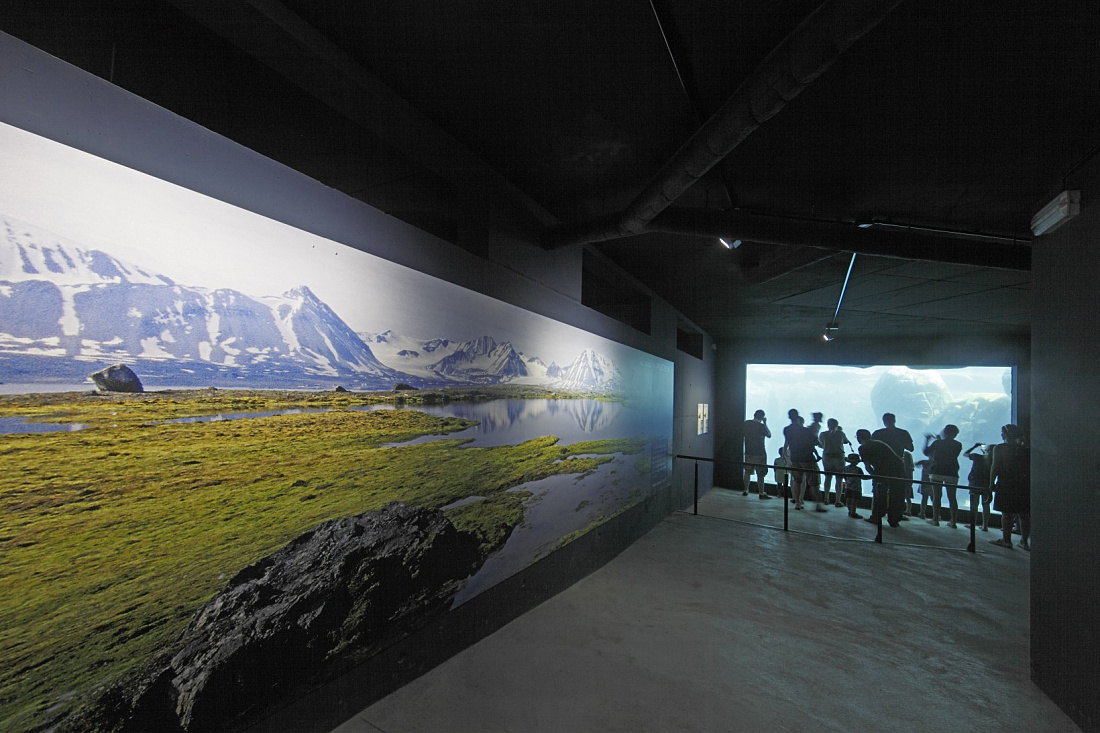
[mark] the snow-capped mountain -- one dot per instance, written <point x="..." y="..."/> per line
<point x="63" y="306"/>
<point x="28" y="252"/>
<point x="60" y="300"/>
<point x="536" y="369"/>
<point x="590" y="370"/>
<point x="485" y="361"/>
<point x="481" y="360"/>
<point x="447" y="361"/>
<point x="413" y="356"/>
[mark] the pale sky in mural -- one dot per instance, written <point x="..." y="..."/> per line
<point x="199" y="241"/>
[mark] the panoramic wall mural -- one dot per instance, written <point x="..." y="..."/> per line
<point x="292" y="453"/>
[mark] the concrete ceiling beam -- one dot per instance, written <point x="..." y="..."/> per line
<point x="792" y="66"/>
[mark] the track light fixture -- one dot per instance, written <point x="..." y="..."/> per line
<point x="832" y="326"/>
<point x="1064" y="207"/>
<point x="730" y="245"/>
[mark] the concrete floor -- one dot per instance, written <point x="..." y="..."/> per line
<point x="714" y="623"/>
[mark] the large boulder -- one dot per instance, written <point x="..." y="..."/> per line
<point x="325" y="602"/>
<point x="117" y="378"/>
<point x="914" y="396"/>
<point x="979" y="418"/>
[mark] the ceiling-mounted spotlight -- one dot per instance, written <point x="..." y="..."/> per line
<point x="728" y="245"/>
<point x="1064" y="207"/>
<point x="830" y="330"/>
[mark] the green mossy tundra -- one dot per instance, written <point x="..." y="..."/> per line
<point x="113" y="535"/>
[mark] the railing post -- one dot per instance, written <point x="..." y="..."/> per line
<point x="786" y="506"/>
<point x="973" y="524"/>
<point x="695" y="507"/>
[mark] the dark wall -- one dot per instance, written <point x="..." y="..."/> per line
<point x="694" y="386"/>
<point x="1065" y="470"/>
<point x="734" y="357"/>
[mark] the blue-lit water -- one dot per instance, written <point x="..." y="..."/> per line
<point x="11" y="425"/>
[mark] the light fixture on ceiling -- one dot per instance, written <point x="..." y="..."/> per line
<point x="832" y="326"/>
<point x="1064" y="207"/>
<point x="730" y="245"/>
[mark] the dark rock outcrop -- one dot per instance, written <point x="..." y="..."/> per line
<point x="402" y="387"/>
<point x="117" y="378"/>
<point x="325" y="602"/>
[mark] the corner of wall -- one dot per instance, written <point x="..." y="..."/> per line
<point x="1065" y="585"/>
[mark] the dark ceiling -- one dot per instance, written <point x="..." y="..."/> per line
<point x="645" y="130"/>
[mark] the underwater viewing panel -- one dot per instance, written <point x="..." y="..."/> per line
<point x="976" y="399"/>
<point x="323" y="450"/>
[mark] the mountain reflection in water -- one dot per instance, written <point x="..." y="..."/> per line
<point x="508" y="422"/>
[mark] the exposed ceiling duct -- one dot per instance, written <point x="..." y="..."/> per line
<point x="796" y="62"/>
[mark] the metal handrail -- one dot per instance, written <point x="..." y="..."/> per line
<point x="975" y="491"/>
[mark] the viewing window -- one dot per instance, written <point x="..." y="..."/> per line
<point x="976" y="399"/>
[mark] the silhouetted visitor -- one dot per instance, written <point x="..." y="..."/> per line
<point x="888" y="489"/>
<point x="813" y="482"/>
<point x="943" y="471"/>
<point x="979" y="484"/>
<point x="800" y="442"/>
<point x="853" y="485"/>
<point x="925" y="486"/>
<point x="816" y="424"/>
<point x="782" y="475"/>
<point x="832" y="456"/>
<point x="755" y="431"/>
<point x="907" y="461"/>
<point x="796" y="422"/>
<point x="1010" y="479"/>
<point x="898" y="439"/>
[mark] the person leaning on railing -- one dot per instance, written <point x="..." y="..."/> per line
<point x="888" y="488"/>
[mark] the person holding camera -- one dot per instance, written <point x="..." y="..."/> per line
<point x="944" y="471"/>
<point x="756" y="455"/>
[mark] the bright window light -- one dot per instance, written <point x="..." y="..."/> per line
<point x="976" y="399"/>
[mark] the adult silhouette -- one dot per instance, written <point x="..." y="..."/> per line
<point x="756" y="455"/>
<point x="800" y="442"/>
<point x="897" y="438"/>
<point x="944" y="470"/>
<point x="1010" y="479"/>
<point x="888" y="484"/>
<point x="832" y="459"/>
